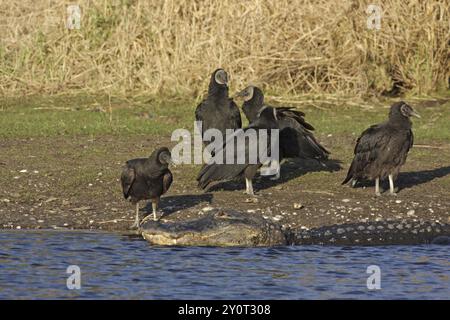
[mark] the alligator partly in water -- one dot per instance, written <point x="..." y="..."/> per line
<point x="218" y="228"/>
<point x="232" y="228"/>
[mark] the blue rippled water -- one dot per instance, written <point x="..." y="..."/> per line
<point x="33" y="265"/>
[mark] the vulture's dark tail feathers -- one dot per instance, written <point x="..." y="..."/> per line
<point x="350" y="173"/>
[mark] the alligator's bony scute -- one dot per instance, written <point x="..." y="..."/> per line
<point x="388" y="232"/>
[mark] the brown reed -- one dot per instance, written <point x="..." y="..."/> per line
<point x="290" y="47"/>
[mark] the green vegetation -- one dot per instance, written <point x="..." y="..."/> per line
<point x="89" y="115"/>
<point x="38" y="116"/>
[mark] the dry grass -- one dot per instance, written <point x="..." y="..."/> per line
<point x="170" y="47"/>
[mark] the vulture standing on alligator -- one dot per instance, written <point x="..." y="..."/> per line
<point x="147" y="178"/>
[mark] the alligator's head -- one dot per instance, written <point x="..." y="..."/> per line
<point x="218" y="228"/>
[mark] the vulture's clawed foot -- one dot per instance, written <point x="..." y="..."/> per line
<point x="151" y="216"/>
<point x="253" y="195"/>
<point x="135" y="226"/>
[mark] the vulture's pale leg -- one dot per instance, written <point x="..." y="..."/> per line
<point x="135" y="225"/>
<point x="155" y="208"/>
<point x="155" y="202"/>
<point x="391" y="185"/>
<point x="354" y="181"/>
<point x="377" y="187"/>
<point x="249" y="187"/>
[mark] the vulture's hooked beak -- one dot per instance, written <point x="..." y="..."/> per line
<point x="240" y="94"/>
<point x="415" y="114"/>
<point x="172" y="163"/>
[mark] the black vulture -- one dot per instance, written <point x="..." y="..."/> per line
<point x="147" y="178"/>
<point x="218" y="110"/>
<point x="215" y="172"/>
<point x="296" y="138"/>
<point x="382" y="149"/>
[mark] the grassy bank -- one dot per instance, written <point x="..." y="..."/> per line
<point x="69" y="115"/>
<point x="169" y="48"/>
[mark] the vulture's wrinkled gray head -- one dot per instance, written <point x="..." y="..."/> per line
<point x="251" y="93"/>
<point x="221" y="77"/>
<point x="164" y="156"/>
<point x="403" y="109"/>
<point x="246" y="94"/>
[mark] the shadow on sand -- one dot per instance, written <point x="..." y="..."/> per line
<point x="406" y="180"/>
<point x="291" y="169"/>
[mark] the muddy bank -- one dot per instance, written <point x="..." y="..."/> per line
<point x="72" y="183"/>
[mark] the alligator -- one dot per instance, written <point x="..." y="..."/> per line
<point x="232" y="228"/>
<point x="218" y="228"/>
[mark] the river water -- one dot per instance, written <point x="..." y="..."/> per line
<point x="33" y="265"/>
